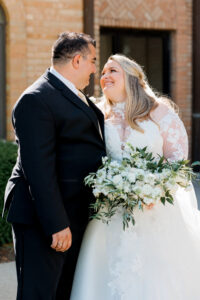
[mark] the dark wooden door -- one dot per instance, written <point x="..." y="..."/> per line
<point x="151" y="49"/>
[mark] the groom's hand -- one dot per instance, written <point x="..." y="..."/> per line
<point x="62" y="240"/>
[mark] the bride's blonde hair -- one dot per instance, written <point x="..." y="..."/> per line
<point x="141" y="99"/>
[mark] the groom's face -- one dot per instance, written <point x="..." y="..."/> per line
<point x="87" y="66"/>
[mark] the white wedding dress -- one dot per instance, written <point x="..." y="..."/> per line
<point x="159" y="257"/>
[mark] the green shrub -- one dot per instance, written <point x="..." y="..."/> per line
<point x="8" y="154"/>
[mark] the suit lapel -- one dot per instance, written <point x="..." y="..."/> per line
<point x="67" y="93"/>
<point x="99" y="115"/>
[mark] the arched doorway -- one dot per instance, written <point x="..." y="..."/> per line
<point x="2" y="75"/>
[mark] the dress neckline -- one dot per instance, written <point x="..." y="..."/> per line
<point x="118" y="109"/>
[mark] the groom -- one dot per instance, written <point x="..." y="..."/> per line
<point x="60" y="133"/>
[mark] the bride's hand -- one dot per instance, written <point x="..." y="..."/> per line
<point x="150" y="206"/>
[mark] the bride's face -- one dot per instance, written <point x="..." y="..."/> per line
<point x="112" y="82"/>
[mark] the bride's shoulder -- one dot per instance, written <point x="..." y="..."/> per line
<point x="164" y="108"/>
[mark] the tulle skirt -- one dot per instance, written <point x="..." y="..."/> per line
<point x="157" y="259"/>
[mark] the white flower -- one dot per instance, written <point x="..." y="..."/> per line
<point x="139" y="172"/>
<point x="147" y="189"/>
<point x="104" y="159"/>
<point x="137" y="190"/>
<point x="171" y="186"/>
<point x="105" y="190"/>
<point x="150" y="178"/>
<point x="148" y="200"/>
<point x="127" y="187"/>
<point x="157" y="192"/>
<point x="122" y="183"/>
<point x="118" y="181"/>
<point x="132" y="177"/>
<point x="109" y="176"/>
<point x="124" y="174"/>
<point x="101" y="175"/>
<point x="134" y="170"/>
<point x="96" y="192"/>
<point x="166" y="173"/>
<point x="140" y="163"/>
<point x="114" y="164"/>
<point x="126" y="154"/>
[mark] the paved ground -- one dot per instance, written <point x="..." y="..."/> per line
<point x="8" y="284"/>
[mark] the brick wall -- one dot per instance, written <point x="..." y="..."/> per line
<point x="32" y="27"/>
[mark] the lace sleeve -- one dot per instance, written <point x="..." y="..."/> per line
<point x="175" y="139"/>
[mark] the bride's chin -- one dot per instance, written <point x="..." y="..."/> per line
<point x="107" y="93"/>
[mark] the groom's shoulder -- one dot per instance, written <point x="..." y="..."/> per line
<point x="40" y="89"/>
<point x="37" y="94"/>
<point x="40" y="86"/>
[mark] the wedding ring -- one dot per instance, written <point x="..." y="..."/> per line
<point x="59" y="244"/>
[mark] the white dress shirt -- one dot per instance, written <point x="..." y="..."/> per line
<point x="68" y="83"/>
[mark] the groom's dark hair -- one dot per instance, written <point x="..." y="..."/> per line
<point x="69" y="44"/>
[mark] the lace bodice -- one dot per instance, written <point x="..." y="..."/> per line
<point x="165" y="135"/>
<point x="165" y="237"/>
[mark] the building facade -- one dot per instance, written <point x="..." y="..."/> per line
<point x="158" y="34"/>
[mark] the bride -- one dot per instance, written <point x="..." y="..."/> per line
<point x="159" y="257"/>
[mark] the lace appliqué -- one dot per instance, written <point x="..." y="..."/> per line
<point x="169" y="138"/>
<point x="174" y="135"/>
<point x="123" y="264"/>
<point x="118" y="133"/>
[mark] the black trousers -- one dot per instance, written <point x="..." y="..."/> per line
<point x="43" y="273"/>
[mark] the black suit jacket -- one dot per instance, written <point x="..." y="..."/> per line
<point x="59" y="144"/>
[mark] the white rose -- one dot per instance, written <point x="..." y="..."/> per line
<point x="150" y="178"/>
<point x="140" y="172"/>
<point x="117" y="180"/>
<point x="131" y="177"/>
<point x="147" y="189"/>
<point x="157" y="191"/>
<point x="126" y="187"/>
<point x="137" y="190"/>
<point x="133" y="170"/>
<point x="114" y="164"/>
<point x="124" y="174"/>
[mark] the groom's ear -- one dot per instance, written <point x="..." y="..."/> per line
<point x="76" y="61"/>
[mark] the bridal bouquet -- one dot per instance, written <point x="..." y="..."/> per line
<point x="139" y="179"/>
